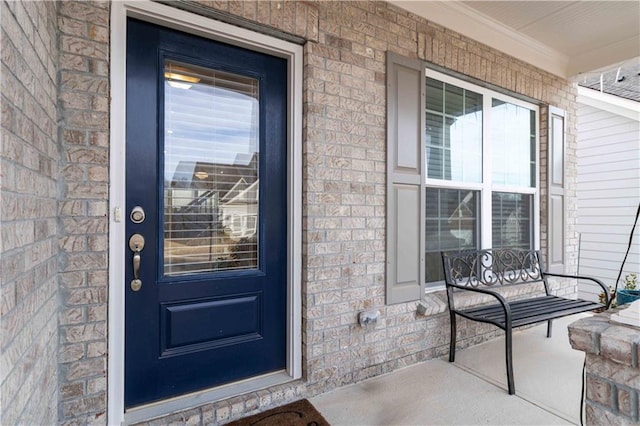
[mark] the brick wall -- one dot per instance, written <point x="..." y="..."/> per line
<point x="344" y="189"/>
<point x="83" y="208"/>
<point x="456" y="52"/>
<point x="345" y="172"/>
<point x="28" y="170"/>
<point x="343" y="193"/>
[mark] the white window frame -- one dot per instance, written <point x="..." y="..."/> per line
<point x="486" y="187"/>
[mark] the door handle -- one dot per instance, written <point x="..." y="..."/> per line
<point x="136" y="264"/>
<point x="136" y="244"/>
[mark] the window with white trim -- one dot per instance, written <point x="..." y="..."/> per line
<point x="482" y="168"/>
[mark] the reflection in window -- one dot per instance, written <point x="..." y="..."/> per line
<point x="454" y="214"/>
<point x="451" y="224"/>
<point x="453" y="133"/>
<point x="211" y="183"/>
<point x="511" y="223"/>
<point x="514" y="144"/>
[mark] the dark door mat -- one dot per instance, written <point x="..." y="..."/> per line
<point x="299" y="413"/>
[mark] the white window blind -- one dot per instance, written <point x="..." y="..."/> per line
<point x="211" y="170"/>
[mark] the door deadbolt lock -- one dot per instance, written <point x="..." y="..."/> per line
<point x="136" y="244"/>
<point x="137" y="215"/>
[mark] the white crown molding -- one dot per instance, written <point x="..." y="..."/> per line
<point x="469" y="22"/>
<point x="610" y="103"/>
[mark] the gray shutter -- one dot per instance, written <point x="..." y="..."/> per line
<point x="405" y="179"/>
<point x="557" y="191"/>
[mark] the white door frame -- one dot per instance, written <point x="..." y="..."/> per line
<point x="208" y="28"/>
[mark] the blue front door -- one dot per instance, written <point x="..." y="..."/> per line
<point x="206" y="214"/>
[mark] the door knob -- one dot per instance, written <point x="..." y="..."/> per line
<point x="136" y="244"/>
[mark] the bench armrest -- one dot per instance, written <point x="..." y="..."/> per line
<point x="498" y="296"/>
<point x="582" y="277"/>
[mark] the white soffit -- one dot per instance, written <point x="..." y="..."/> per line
<point x="563" y="37"/>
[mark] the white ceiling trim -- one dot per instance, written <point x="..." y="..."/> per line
<point x="467" y="21"/>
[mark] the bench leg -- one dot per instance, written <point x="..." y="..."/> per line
<point x="509" y="357"/>
<point x="452" y="340"/>
<point x="549" y="323"/>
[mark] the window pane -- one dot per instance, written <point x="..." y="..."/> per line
<point x="453" y="139"/>
<point x="435" y="158"/>
<point x="434" y="95"/>
<point x="210" y="170"/>
<point x="464" y="139"/>
<point x="513" y="138"/>
<point x="435" y="146"/>
<point x="453" y="100"/>
<point x="512" y="219"/>
<point x="451" y="224"/>
<point x="434" y="130"/>
<point x="472" y="103"/>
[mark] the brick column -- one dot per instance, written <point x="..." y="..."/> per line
<point x="83" y="209"/>
<point x="613" y="375"/>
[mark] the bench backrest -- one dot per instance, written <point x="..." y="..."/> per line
<point x="493" y="267"/>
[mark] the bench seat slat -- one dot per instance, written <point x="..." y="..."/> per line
<point x="531" y="306"/>
<point x="531" y="311"/>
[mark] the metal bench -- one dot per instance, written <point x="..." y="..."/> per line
<point x="483" y="271"/>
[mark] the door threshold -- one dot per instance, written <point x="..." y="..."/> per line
<point x="207" y="396"/>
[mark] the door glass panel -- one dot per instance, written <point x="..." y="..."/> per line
<point x="211" y="185"/>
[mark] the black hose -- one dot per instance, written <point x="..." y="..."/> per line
<point x="584" y="376"/>
<point x="628" y="248"/>
<point x="584" y="366"/>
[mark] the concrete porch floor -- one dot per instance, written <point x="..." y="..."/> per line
<point x="472" y="391"/>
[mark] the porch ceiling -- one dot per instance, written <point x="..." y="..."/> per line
<point x="566" y="38"/>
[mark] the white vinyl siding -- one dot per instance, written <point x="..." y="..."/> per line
<point x="608" y="191"/>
